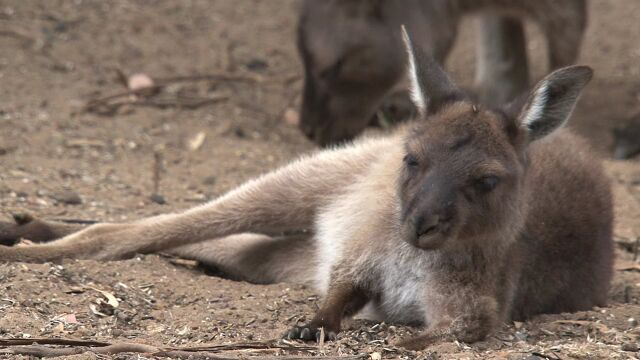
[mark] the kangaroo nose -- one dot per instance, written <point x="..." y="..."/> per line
<point x="427" y="225"/>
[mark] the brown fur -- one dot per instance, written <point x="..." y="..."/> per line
<point x="353" y="56"/>
<point x="459" y="221"/>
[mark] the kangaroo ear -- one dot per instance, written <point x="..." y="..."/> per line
<point x="552" y="101"/>
<point x="430" y="87"/>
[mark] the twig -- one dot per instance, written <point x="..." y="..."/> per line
<point x="547" y="357"/>
<point x="92" y="104"/>
<point x="212" y="356"/>
<point x="43" y="351"/>
<point x="211" y="77"/>
<point x="157" y="171"/>
<point x="182" y="101"/>
<point x="75" y="221"/>
<point x="37" y="347"/>
<point x="138" y="98"/>
<point x="51" y="341"/>
<point x="272" y="344"/>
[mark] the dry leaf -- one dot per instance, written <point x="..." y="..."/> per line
<point x="95" y="310"/>
<point x="518" y="324"/>
<point x="58" y="328"/>
<point x="111" y="300"/>
<point x="196" y="142"/>
<point x="184" y="331"/>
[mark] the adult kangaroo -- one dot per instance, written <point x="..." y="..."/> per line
<point x="354" y="62"/>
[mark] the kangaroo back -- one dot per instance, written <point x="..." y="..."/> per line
<point x="566" y="243"/>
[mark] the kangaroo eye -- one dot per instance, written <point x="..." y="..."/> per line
<point x="487" y="183"/>
<point x="410" y="160"/>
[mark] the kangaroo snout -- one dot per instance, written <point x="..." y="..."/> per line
<point x="429" y="231"/>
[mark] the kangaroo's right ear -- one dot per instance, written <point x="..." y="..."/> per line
<point x="430" y="87"/>
<point x="552" y="101"/>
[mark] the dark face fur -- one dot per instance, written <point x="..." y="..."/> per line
<point x="349" y="67"/>
<point x="461" y="175"/>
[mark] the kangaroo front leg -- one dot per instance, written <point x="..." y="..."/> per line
<point x="466" y="317"/>
<point x="286" y="199"/>
<point x="342" y="298"/>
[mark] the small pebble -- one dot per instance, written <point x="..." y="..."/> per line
<point x="257" y="65"/>
<point x="239" y="132"/>
<point x="632" y="322"/>
<point x="158" y="199"/>
<point x="209" y="180"/>
<point x="632" y="347"/>
<point x="67" y="197"/>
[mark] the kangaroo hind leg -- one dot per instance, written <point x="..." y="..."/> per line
<point x="256" y="258"/>
<point x="281" y="201"/>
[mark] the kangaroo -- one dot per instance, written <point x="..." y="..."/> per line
<point x="353" y="58"/>
<point x="464" y="218"/>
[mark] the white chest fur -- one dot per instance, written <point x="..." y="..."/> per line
<point x="357" y="234"/>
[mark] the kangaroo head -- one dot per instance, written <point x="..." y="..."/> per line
<point x="352" y="55"/>
<point x="464" y="165"/>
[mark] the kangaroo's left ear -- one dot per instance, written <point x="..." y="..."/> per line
<point x="552" y="101"/>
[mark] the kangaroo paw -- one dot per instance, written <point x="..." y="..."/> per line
<point x="309" y="332"/>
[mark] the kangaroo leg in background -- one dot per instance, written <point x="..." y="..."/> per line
<point x="564" y="44"/>
<point x="502" y="70"/>
<point x="283" y="200"/>
<point x="564" y="32"/>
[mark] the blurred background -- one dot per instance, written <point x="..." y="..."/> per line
<point x="75" y="145"/>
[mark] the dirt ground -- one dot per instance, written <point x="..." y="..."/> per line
<point x="58" y="55"/>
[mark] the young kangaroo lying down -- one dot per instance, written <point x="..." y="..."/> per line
<point x="353" y="58"/>
<point x="461" y="220"/>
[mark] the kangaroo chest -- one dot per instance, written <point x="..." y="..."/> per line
<point x="361" y="248"/>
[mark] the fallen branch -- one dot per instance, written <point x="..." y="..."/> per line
<point x="44" y="352"/>
<point x="75" y="221"/>
<point x="108" y="104"/>
<point x="38" y="347"/>
<point x="211" y="77"/>
<point x="51" y="341"/>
